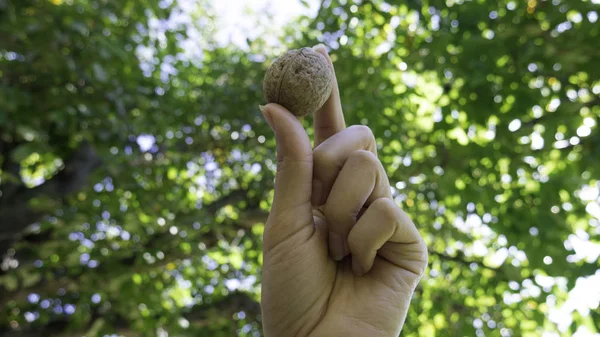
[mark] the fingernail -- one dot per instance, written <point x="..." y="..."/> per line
<point x="317" y="192"/>
<point x="357" y="267"/>
<point x="320" y="46"/>
<point x="267" y="116"/>
<point x="336" y="246"/>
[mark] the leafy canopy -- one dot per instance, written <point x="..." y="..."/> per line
<point x="136" y="171"/>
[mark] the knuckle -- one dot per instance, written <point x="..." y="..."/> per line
<point x="363" y="158"/>
<point x="286" y="162"/>
<point x="424" y="257"/>
<point x="296" y="158"/>
<point x="363" y="131"/>
<point x="420" y="262"/>
<point x="387" y="208"/>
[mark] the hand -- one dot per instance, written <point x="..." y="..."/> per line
<point x="377" y="255"/>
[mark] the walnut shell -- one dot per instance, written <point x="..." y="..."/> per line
<point x="300" y="80"/>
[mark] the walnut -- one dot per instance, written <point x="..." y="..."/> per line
<point x="300" y="80"/>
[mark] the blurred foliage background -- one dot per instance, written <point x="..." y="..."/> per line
<point x="136" y="171"/>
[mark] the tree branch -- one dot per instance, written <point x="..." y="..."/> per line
<point x="10" y="170"/>
<point x="500" y="272"/>
<point x="16" y="213"/>
<point x="72" y="178"/>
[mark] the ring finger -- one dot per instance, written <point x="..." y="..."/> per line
<point x="361" y="181"/>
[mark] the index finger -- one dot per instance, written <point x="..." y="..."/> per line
<point x="329" y="119"/>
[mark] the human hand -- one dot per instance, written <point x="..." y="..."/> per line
<point x="336" y="201"/>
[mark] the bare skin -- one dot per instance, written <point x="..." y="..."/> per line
<point x="340" y="257"/>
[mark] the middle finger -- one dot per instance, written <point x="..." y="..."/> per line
<point x="330" y="156"/>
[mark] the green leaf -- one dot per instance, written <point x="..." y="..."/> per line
<point x="23" y="151"/>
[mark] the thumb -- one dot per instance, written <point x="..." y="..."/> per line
<point x="293" y="182"/>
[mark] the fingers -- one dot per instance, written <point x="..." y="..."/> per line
<point x="361" y="180"/>
<point x="330" y="156"/>
<point x="294" y="174"/>
<point x="386" y="230"/>
<point x="329" y="120"/>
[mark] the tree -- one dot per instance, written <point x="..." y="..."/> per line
<point x="136" y="171"/>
